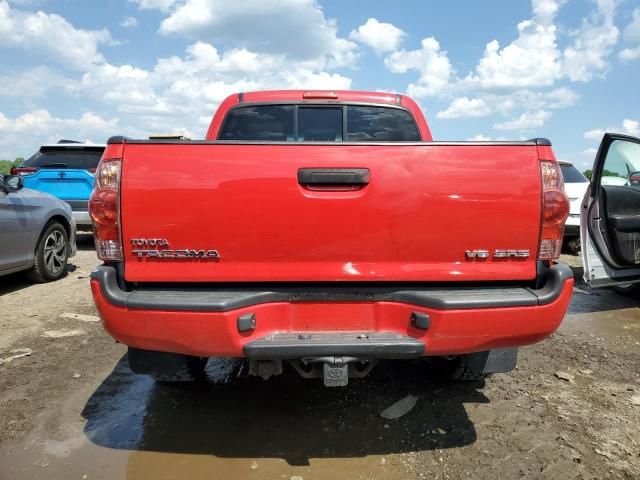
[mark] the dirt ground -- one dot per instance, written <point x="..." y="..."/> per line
<point x="73" y="410"/>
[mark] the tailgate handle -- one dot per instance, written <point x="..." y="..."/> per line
<point x="334" y="176"/>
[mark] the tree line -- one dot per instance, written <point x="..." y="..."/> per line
<point x="5" y="165"/>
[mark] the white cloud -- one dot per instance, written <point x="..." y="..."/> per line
<point x="485" y="138"/>
<point x="295" y="28"/>
<point x="525" y="79"/>
<point x="35" y="82"/>
<point x="595" y="134"/>
<point x="27" y="3"/>
<point x="489" y="103"/>
<point x="559" y="98"/>
<point x="129" y="22"/>
<point x="40" y="124"/>
<point x="593" y="43"/>
<point x="163" y="5"/>
<point x="479" y="138"/>
<point x="432" y="63"/>
<point x="535" y="60"/>
<point x="632" y="35"/>
<point x="466" y="107"/>
<point x="526" y="121"/>
<point x="531" y="60"/>
<point x="381" y="37"/>
<point x="632" y="31"/>
<point x="52" y="36"/>
<point x="180" y="90"/>
<point x="628" y="54"/>
<point x="628" y="127"/>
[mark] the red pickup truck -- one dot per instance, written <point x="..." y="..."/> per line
<point x="327" y="230"/>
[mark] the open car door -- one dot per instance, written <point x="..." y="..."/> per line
<point x="610" y="216"/>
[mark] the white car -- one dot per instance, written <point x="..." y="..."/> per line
<point x="610" y="223"/>
<point x="575" y="184"/>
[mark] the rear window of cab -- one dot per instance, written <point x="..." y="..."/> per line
<point x="319" y="123"/>
<point x="59" y="157"/>
<point x="571" y="174"/>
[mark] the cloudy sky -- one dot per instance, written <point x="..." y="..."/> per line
<point x="563" y="69"/>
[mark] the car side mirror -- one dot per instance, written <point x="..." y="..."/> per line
<point x="13" y="183"/>
<point x="634" y="179"/>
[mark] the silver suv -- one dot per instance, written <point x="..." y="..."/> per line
<point x="37" y="231"/>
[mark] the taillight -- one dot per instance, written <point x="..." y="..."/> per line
<point x="104" y="208"/>
<point x="23" y="170"/>
<point x="320" y="94"/>
<point x="555" y="210"/>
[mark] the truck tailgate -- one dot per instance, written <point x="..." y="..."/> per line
<point x="423" y="207"/>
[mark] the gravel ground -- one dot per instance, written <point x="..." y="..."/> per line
<point x="72" y="409"/>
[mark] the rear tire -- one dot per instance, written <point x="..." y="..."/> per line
<point x="457" y="369"/>
<point x="166" y="367"/>
<point x="52" y="254"/>
<point x="573" y="245"/>
<point x="628" y="290"/>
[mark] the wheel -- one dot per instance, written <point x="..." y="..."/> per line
<point x="457" y="369"/>
<point x="627" y="289"/>
<point x="573" y="245"/>
<point x="52" y="254"/>
<point x="165" y="366"/>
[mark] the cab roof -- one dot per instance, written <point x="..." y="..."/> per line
<point x="341" y="96"/>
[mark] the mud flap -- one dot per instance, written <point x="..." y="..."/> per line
<point x="500" y="360"/>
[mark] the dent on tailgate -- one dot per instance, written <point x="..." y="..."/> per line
<point x="424" y="206"/>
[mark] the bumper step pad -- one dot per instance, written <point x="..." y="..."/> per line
<point x="350" y="344"/>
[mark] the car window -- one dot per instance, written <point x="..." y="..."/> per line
<point x="263" y="122"/>
<point x="572" y="175"/>
<point x="312" y="123"/>
<point x="320" y="124"/>
<point x="622" y="164"/>
<point x="380" y="124"/>
<point x="83" y="159"/>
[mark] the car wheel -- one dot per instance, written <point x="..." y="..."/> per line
<point x="627" y="289"/>
<point x="52" y="254"/>
<point x="457" y="369"/>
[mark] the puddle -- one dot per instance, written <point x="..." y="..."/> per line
<point x="234" y="426"/>
<point x="605" y="314"/>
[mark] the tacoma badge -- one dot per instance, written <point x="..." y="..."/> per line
<point x="160" y="250"/>
<point x="178" y="254"/>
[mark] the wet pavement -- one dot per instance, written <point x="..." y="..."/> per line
<point x="74" y="410"/>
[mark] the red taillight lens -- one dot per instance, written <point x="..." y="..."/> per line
<point x="23" y="170"/>
<point x="555" y="210"/>
<point x="104" y="208"/>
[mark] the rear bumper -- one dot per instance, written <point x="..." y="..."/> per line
<point x="572" y="224"/>
<point x="572" y="230"/>
<point x="205" y="321"/>
<point x="80" y="211"/>
<point x="82" y="218"/>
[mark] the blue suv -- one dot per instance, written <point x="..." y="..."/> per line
<point x="66" y="171"/>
